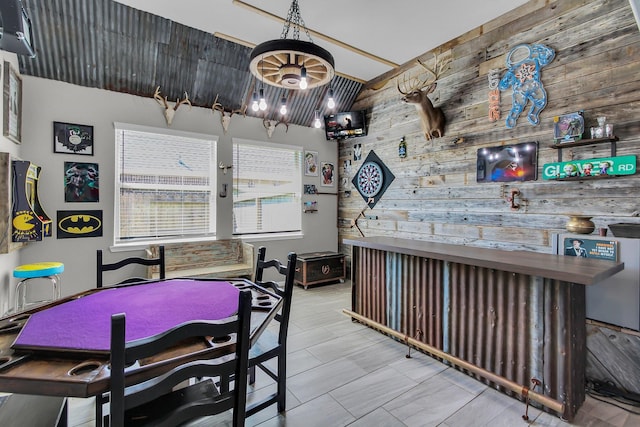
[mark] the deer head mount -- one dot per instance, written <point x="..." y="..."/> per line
<point x="169" y="111"/>
<point x="415" y="92"/>
<point x="270" y="125"/>
<point x="226" y="114"/>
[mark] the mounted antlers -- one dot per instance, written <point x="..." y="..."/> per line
<point x="224" y="119"/>
<point x="416" y="91"/>
<point x="169" y="112"/>
<point x="270" y="125"/>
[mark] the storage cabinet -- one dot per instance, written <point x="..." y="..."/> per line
<point x="319" y="267"/>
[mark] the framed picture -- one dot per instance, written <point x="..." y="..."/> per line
<point x="81" y="182"/>
<point x="311" y="163"/>
<point x="328" y="174"/>
<point x="76" y="224"/>
<point x="69" y="138"/>
<point x="12" y="127"/>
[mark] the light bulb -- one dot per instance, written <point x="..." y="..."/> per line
<point x="316" y="121"/>
<point x="263" y="102"/>
<point x="254" y="102"/>
<point x="303" y="78"/>
<point x="331" y="103"/>
<point x="283" y="106"/>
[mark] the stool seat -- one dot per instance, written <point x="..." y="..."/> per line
<point x="38" y="269"/>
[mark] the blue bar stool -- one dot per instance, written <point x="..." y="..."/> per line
<point x="38" y="270"/>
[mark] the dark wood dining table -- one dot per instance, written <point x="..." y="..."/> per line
<point x="57" y="349"/>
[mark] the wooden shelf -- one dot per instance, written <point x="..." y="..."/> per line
<point x="560" y="145"/>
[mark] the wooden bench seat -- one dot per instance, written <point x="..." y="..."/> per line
<point x="220" y="258"/>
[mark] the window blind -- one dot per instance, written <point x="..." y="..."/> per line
<point x="267" y="181"/>
<point x="165" y="185"/>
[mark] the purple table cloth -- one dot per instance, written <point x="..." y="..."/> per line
<point x="84" y="324"/>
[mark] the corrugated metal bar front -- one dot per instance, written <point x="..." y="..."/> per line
<point x="492" y="322"/>
<point x="369" y="283"/>
<point x="414" y="297"/>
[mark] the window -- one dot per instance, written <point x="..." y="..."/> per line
<point x="165" y="184"/>
<point x="267" y="182"/>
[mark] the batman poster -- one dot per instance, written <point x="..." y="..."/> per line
<point x="72" y="224"/>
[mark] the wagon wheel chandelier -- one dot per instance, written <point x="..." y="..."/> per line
<point x="292" y="63"/>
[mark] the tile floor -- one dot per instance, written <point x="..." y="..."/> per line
<point x="344" y="374"/>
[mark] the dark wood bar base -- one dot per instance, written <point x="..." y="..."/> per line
<point x="518" y="315"/>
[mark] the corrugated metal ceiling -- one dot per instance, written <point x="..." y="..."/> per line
<point x="107" y="45"/>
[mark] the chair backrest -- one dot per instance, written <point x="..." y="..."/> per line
<point x="140" y="394"/>
<point x="286" y="292"/>
<point x="102" y="267"/>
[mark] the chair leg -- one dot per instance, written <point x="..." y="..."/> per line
<point x="252" y="374"/>
<point x="282" y="382"/>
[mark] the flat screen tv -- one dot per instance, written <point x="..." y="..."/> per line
<point x="16" y="34"/>
<point x="348" y="124"/>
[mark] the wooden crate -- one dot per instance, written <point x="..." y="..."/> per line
<point x="319" y="267"/>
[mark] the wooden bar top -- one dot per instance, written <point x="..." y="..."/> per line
<point x="584" y="271"/>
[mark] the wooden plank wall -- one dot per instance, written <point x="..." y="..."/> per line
<point x="435" y="195"/>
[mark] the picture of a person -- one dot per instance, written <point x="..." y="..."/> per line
<point x="576" y="249"/>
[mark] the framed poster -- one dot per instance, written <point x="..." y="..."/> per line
<point x="78" y="223"/>
<point x="12" y="99"/>
<point x="328" y="174"/>
<point x="71" y="138"/>
<point x="311" y="163"/>
<point x="81" y="182"/>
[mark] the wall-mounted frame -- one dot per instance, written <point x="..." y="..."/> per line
<point x="12" y="102"/>
<point x="81" y="182"/>
<point x="328" y="174"/>
<point x="505" y="163"/>
<point x="311" y="163"/>
<point x="70" y="138"/>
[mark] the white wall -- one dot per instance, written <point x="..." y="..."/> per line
<point x="46" y="101"/>
<point x="10" y="260"/>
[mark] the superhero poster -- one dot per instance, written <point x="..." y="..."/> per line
<point x="72" y="224"/>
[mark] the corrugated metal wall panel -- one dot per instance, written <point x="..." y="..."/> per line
<point x="107" y="45"/>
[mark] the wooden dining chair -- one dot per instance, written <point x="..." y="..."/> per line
<point x="270" y="345"/>
<point x="157" y="401"/>
<point x="103" y="267"/>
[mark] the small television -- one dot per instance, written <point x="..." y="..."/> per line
<point x="16" y="34"/>
<point x="348" y="124"/>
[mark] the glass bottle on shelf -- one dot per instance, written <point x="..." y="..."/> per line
<point x="402" y="148"/>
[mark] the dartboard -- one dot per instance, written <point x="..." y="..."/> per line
<point x="370" y="179"/>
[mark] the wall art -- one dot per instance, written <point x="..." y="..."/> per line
<point x="523" y="74"/>
<point x="72" y="138"/>
<point x="505" y="163"/>
<point x="311" y="163"/>
<point x="12" y="91"/>
<point x="81" y="182"/>
<point x="73" y="224"/>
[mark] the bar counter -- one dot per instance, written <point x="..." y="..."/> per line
<point x="513" y="319"/>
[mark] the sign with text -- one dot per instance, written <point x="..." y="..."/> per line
<point x="586" y="248"/>
<point x="621" y="165"/>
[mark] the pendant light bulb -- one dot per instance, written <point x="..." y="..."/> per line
<point x="331" y="103"/>
<point x="263" y="102"/>
<point x="303" y="78"/>
<point x="254" y="102"/>
<point x="316" y="121"/>
<point x="283" y="106"/>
